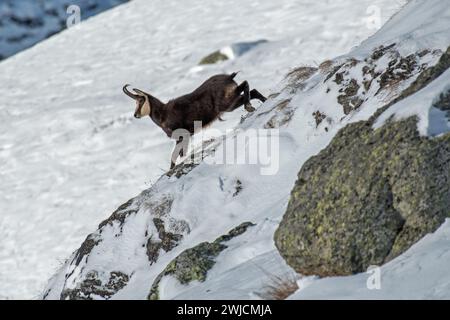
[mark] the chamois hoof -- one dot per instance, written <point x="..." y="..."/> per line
<point x="249" y="107"/>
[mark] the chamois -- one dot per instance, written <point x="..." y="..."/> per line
<point x="218" y="94"/>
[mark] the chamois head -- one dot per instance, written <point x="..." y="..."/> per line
<point x="143" y="107"/>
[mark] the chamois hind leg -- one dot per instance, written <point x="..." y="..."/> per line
<point x="240" y="100"/>
<point x="255" y="94"/>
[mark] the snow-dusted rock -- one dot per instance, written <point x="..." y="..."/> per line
<point x="26" y="22"/>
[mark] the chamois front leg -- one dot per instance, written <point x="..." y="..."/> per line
<point x="255" y="94"/>
<point x="245" y="88"/>
<point x="180" y="150"/>
<point x="243" y="99"/>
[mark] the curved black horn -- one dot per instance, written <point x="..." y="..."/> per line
<point x="140" y="91"/>
<point x="128" y="93"/>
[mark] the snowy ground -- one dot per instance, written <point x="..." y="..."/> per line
<point x="70" y="151"/>
<point x="205" y="199"/>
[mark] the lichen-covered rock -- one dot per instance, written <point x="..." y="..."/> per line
<point x="214" y="57"/>
<point x="230" y="52"/>
<point x="159" y="234"/>
<point x="166" y="241"/>
<point x="194" y="263"/>
<point x="349" y="99"/>
<point x="365" y="199"/>
<point x="385" y="73"/>
<point x="92" y="286"/>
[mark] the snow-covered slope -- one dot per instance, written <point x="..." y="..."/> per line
<point x="140" y="250"/>
<point x="24" y="23"/>
<point x="420" y="273"/>
<point x="70" y="151"/>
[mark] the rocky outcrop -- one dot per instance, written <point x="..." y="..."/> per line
<point x="160" y="235"/>
<point x="194" y="263"/>
<point x="365" y="199"/>
<point x="382" y="72"/>
<point x="92" y="286"/>
<point x="369" y="195"/>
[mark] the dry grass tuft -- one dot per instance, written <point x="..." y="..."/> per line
<point x="326" y="66"/>
<point x="301" y="73"/>
<point x="280" y="287"/>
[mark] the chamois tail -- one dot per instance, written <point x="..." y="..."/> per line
<point x="234" y="74"/>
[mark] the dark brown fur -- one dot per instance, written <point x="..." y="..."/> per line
<point x="217" y="95"/>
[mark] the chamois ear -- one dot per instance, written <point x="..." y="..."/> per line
<point x="128" y="93"/>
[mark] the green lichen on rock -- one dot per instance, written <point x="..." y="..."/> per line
<point x="370" y="194"/>
<point x="214" y="57"/>
<point x="92" y="287"/>
<point x="365" y="198"/>
<point x="194" y="263"/>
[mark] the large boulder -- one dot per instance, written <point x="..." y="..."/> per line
<point x="370" y="194"/>
<point x="365" y="198"/>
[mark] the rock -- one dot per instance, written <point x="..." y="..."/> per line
<point x="237" y="187"/>
<point x="92" y="286"/>
<point x="380" y="51"/>
<point x="162" y="234"/>
<point x="370" y="194"/>
<point x="167" y="241"/>
<point x="443" y="103"/>
<point x="384" y="71"/>
<point x="365" y="199"/>
<point x="214" y="57"/>
<point x="194" y="263"/>
<point x="349" y="100"/>
<point x="399" y="69"/>
<point x="318" y="117"/>
<point x="234" y="50"/>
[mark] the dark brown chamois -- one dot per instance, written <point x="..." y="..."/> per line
<point x="217" y="95"/>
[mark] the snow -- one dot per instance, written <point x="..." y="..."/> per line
<point x="432" y="121"/>
<point x="419" y="25"/>
<point x="70" y="151"/>
<point x="419" y="273"/>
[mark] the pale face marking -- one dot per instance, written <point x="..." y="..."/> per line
<point x="143" y="109"/>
